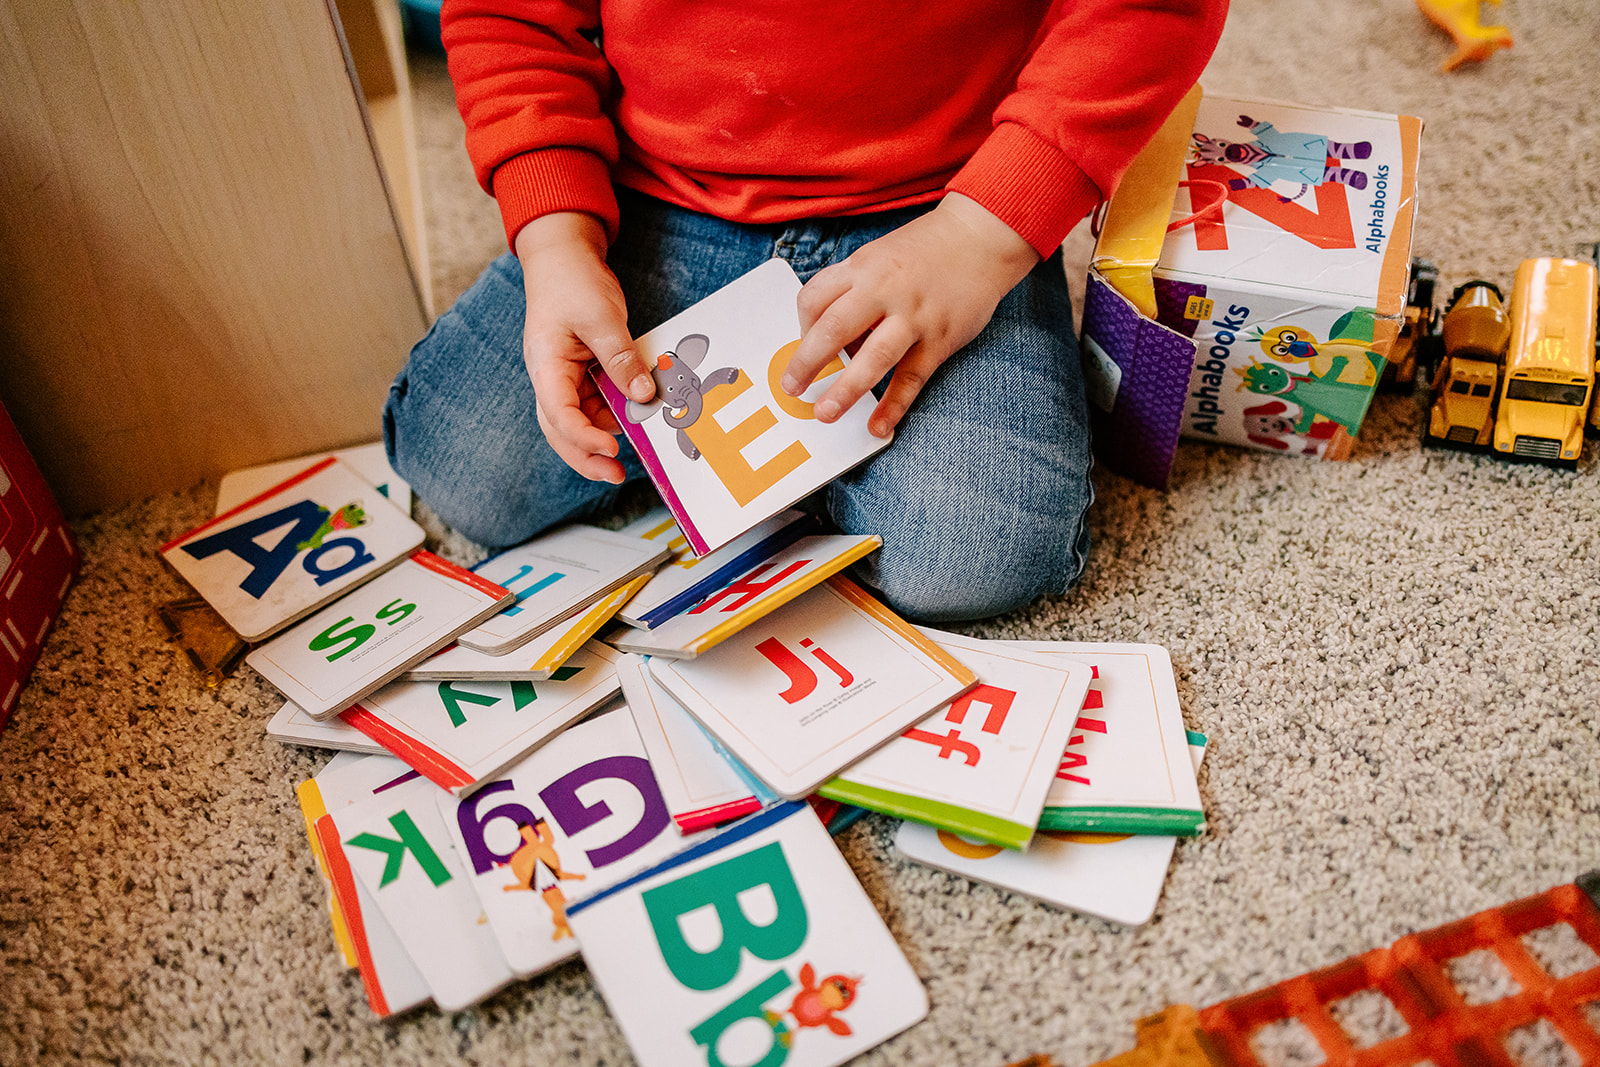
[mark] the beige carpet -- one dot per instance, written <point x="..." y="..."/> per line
<point x="1396" y="660"/>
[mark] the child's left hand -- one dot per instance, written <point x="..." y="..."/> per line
<point x="905" y="302"/>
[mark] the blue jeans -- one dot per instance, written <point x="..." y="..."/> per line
<point x="981" y="500"/>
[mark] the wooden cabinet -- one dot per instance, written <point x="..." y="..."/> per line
<point x="211" y="245"/>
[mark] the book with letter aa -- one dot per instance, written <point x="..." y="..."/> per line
<point x="287" y="551"/>
<point x="724" y="445"/>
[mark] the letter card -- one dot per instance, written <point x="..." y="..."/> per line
<point x="755" y="946"/>
<point x="724" y="445"/>
<point x="356" y="644"/>
<point x="392" y="982"/>
<point x="292" y="726"/>
<point x="815" y="686"/>
<point x="701" y="788"/>
<point x="283" y="554"/>
<point x="1110" y="876"/>
<point x="1126" y="767"/>
<point x="371" y="462"/>
<point x="765" y="587"/>
<point x="687" y="579"/>
<point x="556" y="576"/>
<point x="533" y="662"/>
<point x="399" y="848"/>
<point x="576" y="816"/>
<point x="460" y="734"/>
<point x="982" y="764"/>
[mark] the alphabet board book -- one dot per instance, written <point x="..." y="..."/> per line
<point x="1267" y="321"/>
<point x="292" y="726"/>
<point x="1126" y="767"/>
<point x="368" y="461"/>
<point x="398" y="848"/>
<point x="351" y="647"/>
<point x="461" y="733"/>
<point x="686" y="578"/>
<point x="724" y="445"/>
<point x="286" y="552"/>
<point x="532" y="662"/>
<point x="815" y="685"/>
<point x="982" y="764"/>
<point x="581" y="813"/>
<point x="1112" y="877"/>
<point x="755" y="945"/>
<point x="764" y="588"/>
<point x="555" y="576"/>
<point x="392" y="982"/>
<point x="699" y="786"/>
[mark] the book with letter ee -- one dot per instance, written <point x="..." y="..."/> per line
<point x="724" y="445"/>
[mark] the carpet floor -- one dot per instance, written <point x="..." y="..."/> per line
<point x="1395" y="658"/>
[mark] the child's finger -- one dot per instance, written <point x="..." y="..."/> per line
<point x="619" y="357"/>
<point x="882" y="350"/>
<point x="905" y="385"/>
<point x="847" y="318"/>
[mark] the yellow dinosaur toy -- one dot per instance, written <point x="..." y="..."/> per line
<point x="1459" y="18"/>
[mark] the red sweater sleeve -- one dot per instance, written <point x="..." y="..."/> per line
<point x="1104" y="76"/>
<point x="532" y="89"/>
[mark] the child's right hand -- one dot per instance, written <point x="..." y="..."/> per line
<point x="576" y="313"/>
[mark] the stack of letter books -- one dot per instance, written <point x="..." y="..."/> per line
<point x="631" y="744"/>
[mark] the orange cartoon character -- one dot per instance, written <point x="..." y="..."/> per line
<point x="538" y="869"/>
<point x="818" y="1003"/>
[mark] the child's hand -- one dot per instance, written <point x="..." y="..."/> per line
<point x="905" y="302"/>
<point x="576" y="314"/>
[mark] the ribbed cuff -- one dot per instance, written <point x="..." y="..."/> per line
<point x="1029" y="184"/>
<point x="554" y="179"/>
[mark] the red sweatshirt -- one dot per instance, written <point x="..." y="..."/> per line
<point x="766" y="111"/>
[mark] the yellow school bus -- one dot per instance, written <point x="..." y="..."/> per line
<point x="1549" y="370"/>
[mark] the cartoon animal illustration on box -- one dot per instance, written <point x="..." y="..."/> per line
<point x="680" y="390"/>
<point x="346" y="518"/>
<point x="538" y="869"/>
<point x="1349" y="337"/>
<point x="1276" y="155"/>
<point x="817" y="1004"/>
<point x="1342" y="402"/>
<point x="1273" y="424"/>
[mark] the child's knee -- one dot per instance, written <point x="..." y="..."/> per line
<point x="950" y="578"/>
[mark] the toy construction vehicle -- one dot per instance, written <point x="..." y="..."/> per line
<point x="1475" y="334"/>
<point x="1411" y="349"/>
<point x="1528" y="397"/>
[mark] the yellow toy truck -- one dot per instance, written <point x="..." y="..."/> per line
<point x="1549" y="371"/>
<point x="1474" y="337"/>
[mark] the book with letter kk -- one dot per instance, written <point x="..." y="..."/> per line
<point x="725" y="446"/>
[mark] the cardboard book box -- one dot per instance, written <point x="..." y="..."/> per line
<point x="1248" y="280"/>
<point x="37" y="561"/>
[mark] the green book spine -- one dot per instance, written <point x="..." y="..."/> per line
<point x="1180" y="822"/>
<point x="952" y="817"/>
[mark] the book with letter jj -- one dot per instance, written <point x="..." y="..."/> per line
<point x="725" y="446"/>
